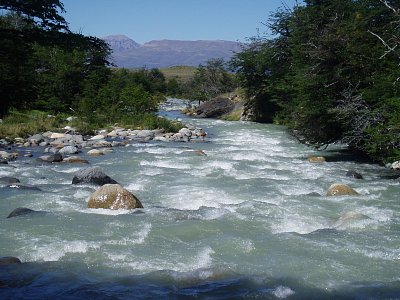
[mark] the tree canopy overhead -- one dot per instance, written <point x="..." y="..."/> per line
<point x="42" y="13"/>
<point x="331" y="73"/>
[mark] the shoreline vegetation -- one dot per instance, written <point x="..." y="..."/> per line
<point x="328" y="79"/>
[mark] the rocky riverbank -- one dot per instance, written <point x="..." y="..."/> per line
<point x="64" y="147"/>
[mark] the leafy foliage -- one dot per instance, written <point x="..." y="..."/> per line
<point x="44" y="66"/>
<point x="331" y="73"/>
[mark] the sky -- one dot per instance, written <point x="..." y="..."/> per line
<point x="146" y="20"/>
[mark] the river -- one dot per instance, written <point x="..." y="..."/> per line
<point x="248" y="220"/>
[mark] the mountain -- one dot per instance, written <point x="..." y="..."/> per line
<point x="121" y="43"/>
<point x="166" y="53"/>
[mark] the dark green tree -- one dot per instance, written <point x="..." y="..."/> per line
<point x="330" y="73"/>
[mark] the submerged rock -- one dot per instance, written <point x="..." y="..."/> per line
<point x="9" y="180"/>
<point x="113" y="196"/>
<point x="200" y="153"/>
<point x="9" y="260"/>
<point x="354" y="174"/>
<point x="19" y="186"/>
<point x="349" y="218"/>
<point x="92" y="175"/>
<point x="75" y="159"/>
<point x="21" y="211"/>
<point x="341" y="190"/>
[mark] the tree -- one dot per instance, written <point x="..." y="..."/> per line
<point x="330" y="73"/>
<point x="211" y="80"/>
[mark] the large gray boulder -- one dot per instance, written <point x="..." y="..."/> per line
<point x="92" y="175"/>
<point x="56" y="157"/>
<point x="215" y="108"/>
<point x="113" y="196"/>
<point x="69" y="150"/>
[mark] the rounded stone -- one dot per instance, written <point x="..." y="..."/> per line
<point x="75" y="159"/>
<point x="95" y="152"/>
<point x="113" y="196"/>
<point x="316" y="159"/>
<point x="341" y="190"/>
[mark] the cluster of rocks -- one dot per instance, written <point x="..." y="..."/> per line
<point x="64" y="146"/>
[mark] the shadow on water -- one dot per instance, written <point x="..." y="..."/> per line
<point x="67" y="280"/>
<point x="346" y="155"/>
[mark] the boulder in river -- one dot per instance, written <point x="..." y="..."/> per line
<point x="354" y="174"/>
<point x="341" y="190"/>
<point x="9" y="260"/>
<point x="92" y="175"/>
<point x="69" y="150"/>
<point x="75" y="159"/>
<point x="113" y="196"/>
<point x="56" y="157"/>
<point x="8" y="180"/>
<point x="215" y="108"/>
<point x="21" y="211"/>
<point x="95" y="152"/>
<point x="316" y="159"/>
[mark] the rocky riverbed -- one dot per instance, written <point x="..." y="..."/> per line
<point x="66" y="147"/>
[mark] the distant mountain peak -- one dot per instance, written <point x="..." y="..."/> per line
<point x="120" y="42"/>
<point x="166" y="53"/>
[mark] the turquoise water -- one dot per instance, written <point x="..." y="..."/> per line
<point x="239" y="222"/>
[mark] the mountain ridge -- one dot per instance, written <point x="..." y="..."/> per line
<point x="166" y="53"/>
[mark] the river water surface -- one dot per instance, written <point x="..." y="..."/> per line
<point x="249" y="220"/>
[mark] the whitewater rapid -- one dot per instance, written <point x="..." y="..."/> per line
<point x="253" y="208"/>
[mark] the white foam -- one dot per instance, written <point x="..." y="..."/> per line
<point x="194" y="198"/>
<point x="380" y="254"/>
<point x="282" y="292"/>
<point x="133" y="238"/>
<point x="70" y="170"/>
<point x="247" y="246"/>
<point x="297" y="223"/>
<point x="55" y="250"/>
<point x="201" y="261"/>
<point x="168" y="164"/>
<point x="135" y="186"/>
<point x="109" y="212"/>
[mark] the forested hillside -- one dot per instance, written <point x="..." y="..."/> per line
<point x="44" y="66"/>
<point x="331" y="73"/>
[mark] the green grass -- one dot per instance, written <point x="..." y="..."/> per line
<point x="23" y="124"/>
<point x="180" y="73"/>
<point x="234" y="115"/>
